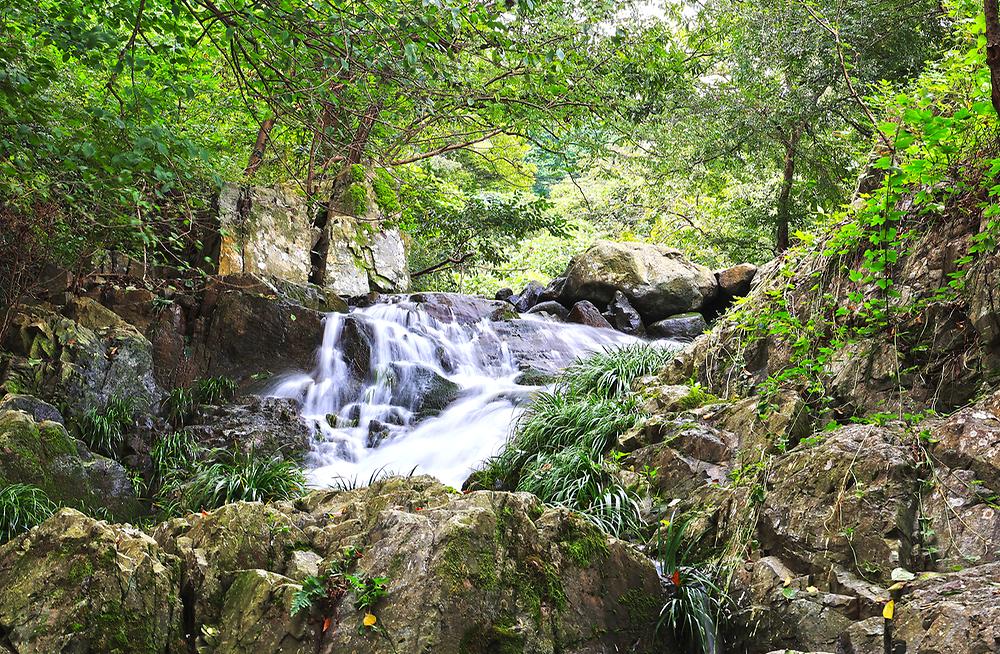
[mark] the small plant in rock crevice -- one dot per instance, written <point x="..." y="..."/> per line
<point x="322" y="595"/>
<point x="21" y="508"/>
<point x="181" y="403"/>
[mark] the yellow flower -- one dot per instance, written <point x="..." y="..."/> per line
<point x="370" y="620"/>
<point x="889" y="609"/>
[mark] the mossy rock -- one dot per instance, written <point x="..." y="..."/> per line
<point x="74" y="584"/>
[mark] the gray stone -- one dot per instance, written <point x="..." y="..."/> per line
<point x="684" y="326"/>
<point x="551" y="308"/>
<point x="623" y="316"/>
<point x="585" y="313"/>
<point x="37" y="409"/>
<point x="657" y="280"/>
<point x="528" y="297"/>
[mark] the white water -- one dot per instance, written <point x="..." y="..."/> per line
<point x="405" y="342"/>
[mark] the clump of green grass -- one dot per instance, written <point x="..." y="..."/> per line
<point x="21" y="508"/>
<point x="558" y="447"/>
<point x="104" y="429"/>
<point x="181" y="403"/>
<point x="241" y="477"/>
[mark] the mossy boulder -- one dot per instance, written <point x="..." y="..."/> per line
<point x="256" y="617"/>
<point x="45" y="455"/>
<point x="75" y="584"/>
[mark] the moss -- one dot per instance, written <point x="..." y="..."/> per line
<point x="466" y="560"/>
<point x="385" y="195"/>
<point x="498" y="638"/>
<point x="357" y="173"/>
<point x="643" y="608"/>
<point x="354" y="199"/>
<point x="696" y="397"/>
<point x="79" y="571"/>
<point x="585" y="546"/>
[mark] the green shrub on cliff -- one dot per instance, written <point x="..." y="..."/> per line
<point x="21" y="508"/>
<point x="104" y="429"/>
<point x="238" y="477"/>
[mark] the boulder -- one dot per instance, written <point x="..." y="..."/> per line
<point x="553" y="290"/>
<point x="43" y="454"/>
<point x="623" y="316"/>
<point x="528" y="297"/>
<point x="74" y="584"/>
<point x="683" y="326"/>
<point x="456" y="307"/>
<point x="255" y="617"/>
<point x="552" y="308"/>
<point x="585" y="313"/>
<point x="421" y="389"/>
<point x="39" y="411"/>
<point x="657" y="280"/>
<point x="504" y="294"/>
<point x="80" y="365"/>
<point x="269" y="426"/>
<point x="735" y="282"/>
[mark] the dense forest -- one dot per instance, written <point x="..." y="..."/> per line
<point x="481" y="327"/>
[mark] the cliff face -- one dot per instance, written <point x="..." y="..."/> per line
<point x="269" y="231"/>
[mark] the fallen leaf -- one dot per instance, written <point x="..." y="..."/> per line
<point x="902" y="574"/>
<point x="812" y="590"/>
<point x="889" y="609"/>
<point x="326" y="624"/>
<point x="370" y="620"/>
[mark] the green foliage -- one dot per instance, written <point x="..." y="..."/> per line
<point x="181" y="403"/>
<point x="237" y="477"/>
<point x="313" y="589"/>
<point x="104" y="429"/>
<point x="325" y="592"/>
<point x="692" y="613"/>
<point x="21" y="508"/>
<point x="385" y="193"/>
<point x="559" y="445"/>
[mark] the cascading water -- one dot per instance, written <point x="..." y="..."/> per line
<point x="396" y="388"/>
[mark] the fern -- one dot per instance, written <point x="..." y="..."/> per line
<point x="313" y="588"/>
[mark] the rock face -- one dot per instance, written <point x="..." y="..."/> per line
<point x="658" y="281"/>
<point x="268" y="426"/>
<point x="482" y="572"/>
<point x="268" y="231"/>
<point x="42" y="454"/>
<point x="552" y="308"/>
<point x="735" y="282"/>
<point x="74" y="584"/>
<point x="528" y="297"/>
<point x="81" y="362"/>
<point x="463" y="309"/>
<point x="420" y="388"/>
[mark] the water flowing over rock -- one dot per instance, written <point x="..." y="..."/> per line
<point x="427" y="380"/>
<point x="657" y="280"/>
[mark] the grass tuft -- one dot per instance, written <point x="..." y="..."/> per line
<point x="21" y="508"/>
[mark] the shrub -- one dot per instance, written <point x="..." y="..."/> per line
<point x="21" y="508"/>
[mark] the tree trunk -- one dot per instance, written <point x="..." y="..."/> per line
<point x="257" y="156"/>
<point x="785" y="196"/>
<point x="993" y="50"/>
<point x="355" y="153"/>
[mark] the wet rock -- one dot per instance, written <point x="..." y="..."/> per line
<point x="378" y="431"/>
<point x="585" y="313"/>
<point x="249" y="331"/>
<point x="504" y="294"/>
<point x="463" y="309"/>
<point x="268" y="426"/>
<point x="551" y="308"/>
<point x="528" y="297"/>
<point x="623" y="316"/>
<point x="533" y="377"/>
<point x="74" y="584"/>
<point x="553" y="290"/>
<point x="421" y="389"/>
<point x="657" y="280"/>
<point x="43" y="454"/>
<point x="683" y="326"/>
<point x="39" y="411"/>
<point x="735" y="282"/>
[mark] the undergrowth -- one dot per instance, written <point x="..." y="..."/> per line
<point x="21" y="508"/>
<point x="558" y="447"/>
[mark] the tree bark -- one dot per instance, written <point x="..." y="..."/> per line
<point x="257" y="156"/>
<point x="785" y="195"/>
<point x="993" y="50"/>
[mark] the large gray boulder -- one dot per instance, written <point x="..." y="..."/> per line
<point x="657" y="280"/>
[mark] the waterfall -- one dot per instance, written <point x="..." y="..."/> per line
<point x="404" y="385"/>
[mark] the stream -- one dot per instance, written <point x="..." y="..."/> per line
<point x="403" y="386"/>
